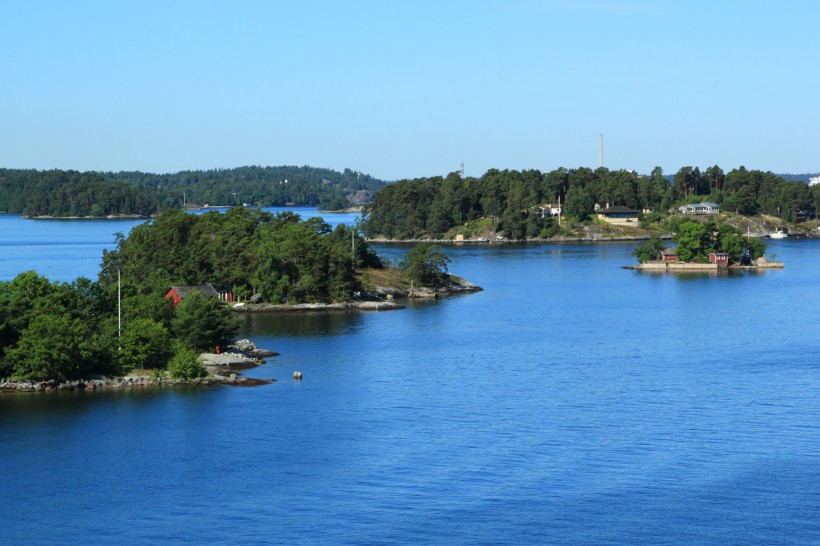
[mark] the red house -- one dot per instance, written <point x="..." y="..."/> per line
<point x="719" y="258"/>
<point x="177" y="293"/>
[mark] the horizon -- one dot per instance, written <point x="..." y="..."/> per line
<point x="171" y="173"/>
<point x="408" y="91"/>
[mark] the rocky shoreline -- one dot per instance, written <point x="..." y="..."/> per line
<point x="382" y="298"/>
<point x="285" y="308"/>
<point x="222" y="370"/>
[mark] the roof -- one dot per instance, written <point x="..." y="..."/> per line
<point x="617" y="209"/>
<point x="206" y="289"/>
<point x="668" y="251"/>
<point x="710" y="204"/>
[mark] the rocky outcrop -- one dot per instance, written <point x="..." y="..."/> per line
<point x="452" y="285"/>
<point x="222" y="370"/>
<point x="366" y="305"/>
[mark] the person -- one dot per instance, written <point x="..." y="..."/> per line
<point x="217" y="349"/>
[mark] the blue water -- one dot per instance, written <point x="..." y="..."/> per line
<point x="571" y="402"/>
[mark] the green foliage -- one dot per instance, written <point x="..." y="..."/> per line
<point x="429" y="207"/>
<point x="185" y="364"/>
<point x="757" y="248"/>
<point x="52" y="347"/>
<point x="249" y="251"/>
<point x="649" y="251"/>
<point x="696" y="241"/>
<point x="425" y="265"/>
<point x="70" y="193"/>
<point x="261" y="186"/>
<point x="203" y="323"/>
<point x="690" y="241"/>
<point x="145" y="343"/>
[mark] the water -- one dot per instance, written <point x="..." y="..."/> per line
<point x="571" y="402"/>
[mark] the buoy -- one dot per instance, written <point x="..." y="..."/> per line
<point x="297" y="375"/>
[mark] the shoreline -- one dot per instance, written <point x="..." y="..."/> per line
<point x="382" y="298"/>
<point x="222" y="369"/>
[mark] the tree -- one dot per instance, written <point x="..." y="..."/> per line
<point x="650" y="250"/>
<point x="145" y="343"/>
<point x="425" y="265"/>
<point x="52" y="347"/>
<point x="202" y="323"/>
<point x="579" y="204"/>
<point x="689" y="241"/>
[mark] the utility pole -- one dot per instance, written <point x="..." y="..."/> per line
<point x="119" y="309"/>
<point x="353" y="247"/>
<point x="601" y="150"/>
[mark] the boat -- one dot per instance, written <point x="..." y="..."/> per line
<point x="780" y="233"/>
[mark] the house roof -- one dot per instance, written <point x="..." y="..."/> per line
<point x="668" y="251"/>
<point x="206" y="289"/>
<point x="617" y="209"/>
<point x="710" y="204"/>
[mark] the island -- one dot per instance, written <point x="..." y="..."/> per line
<point x="172" y="291"/>
<point x="703" y="246"/>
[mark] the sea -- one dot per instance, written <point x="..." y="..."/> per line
<point x="570" y="402"/>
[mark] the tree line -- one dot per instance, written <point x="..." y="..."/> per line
<point x="260" y="186"/>
<point x="73" y="193"/>
<point x="509" y="200"/>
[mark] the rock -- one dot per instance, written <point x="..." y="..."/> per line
<point x="378" y="306"/>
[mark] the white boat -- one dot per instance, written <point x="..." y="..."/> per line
<point x="781" y="233"/>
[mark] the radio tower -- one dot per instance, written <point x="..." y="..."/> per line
<point x="462" y="169"/>
<point x="601" y="151"/>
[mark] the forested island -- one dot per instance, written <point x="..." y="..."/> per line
<point x="64" y="331"/>
<point x="707" y="242"/>
<point x="60" y="193"/>
<point x="510" y="204"/>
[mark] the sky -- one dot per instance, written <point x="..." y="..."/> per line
<point x="403" y="89"/>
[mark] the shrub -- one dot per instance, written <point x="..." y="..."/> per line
<point x="185" y="364"/>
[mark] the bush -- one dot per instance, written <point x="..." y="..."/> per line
<point x="185" y="364"/>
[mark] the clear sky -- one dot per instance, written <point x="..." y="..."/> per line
<point x="401" y="89"/>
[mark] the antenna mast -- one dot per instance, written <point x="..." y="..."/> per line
<point x="601" y="150"/>
<point x="462" y="169"/>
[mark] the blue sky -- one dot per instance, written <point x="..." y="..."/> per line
<point x="401" y="89"/>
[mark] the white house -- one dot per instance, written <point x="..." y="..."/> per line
<point x="700" y="208"/>
<point x="550" y="210"/>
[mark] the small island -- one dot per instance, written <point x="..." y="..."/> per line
<point x="703" y="246"/>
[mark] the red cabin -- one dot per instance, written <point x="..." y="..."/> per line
<point x="719" y="258"/>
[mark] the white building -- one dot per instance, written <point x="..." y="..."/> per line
<point x="814" y="180"/>
<point x="700" y="208"/>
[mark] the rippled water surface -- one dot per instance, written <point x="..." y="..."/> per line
<point x="571" y="402"/>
